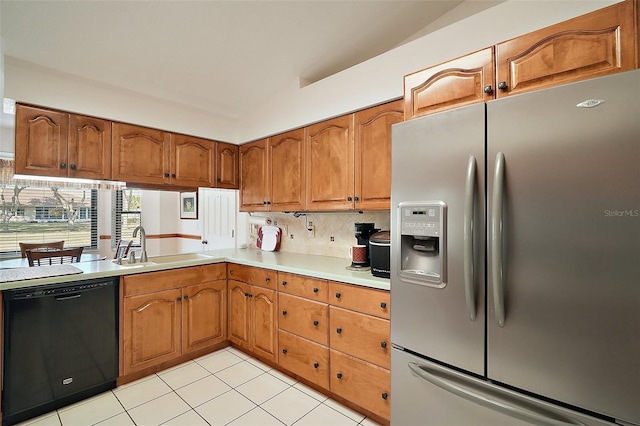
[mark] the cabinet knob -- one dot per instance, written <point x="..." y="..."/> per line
<point x="63" y="165"/>
<point x="264" y="203"/>
<point x="72" y="166"/>
<point x="173" y="175"/>
<point x="383" y="305"/>
<point x="315" y="290"/>
<point x="250" y="295"/>
<point x="230" y="271"/>
<point x="179" y="299"/>
<point x="316" y="365"/>
<point x="502" y="85"/>
<point x="284" y="351"/>
<point x="186" y="297"/>
<point x="356" y="198"/>
<point x="383" y="345"/>
<point x="338" y="330"/>
<point x="166" y="175"/>
<point x="488" y="89"/>
<point x="284" y="312"/>
<point x="385" y="396"/>
<point x="316" y="323"/>
<point x="339" y="375"/>
<point x="246" y="295"/>
<point x="349" y="199"/>
<point x="338" y="295"/>
<point x="284" y="283"/>
<point x="219" y="180"/>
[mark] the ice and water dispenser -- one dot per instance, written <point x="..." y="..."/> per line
<point x="423" y="243"/>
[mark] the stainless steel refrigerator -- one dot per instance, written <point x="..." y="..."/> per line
<point x="515" y="272"/>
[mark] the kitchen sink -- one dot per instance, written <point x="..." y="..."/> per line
<point x="126" y="264"/>
<point x="171" y="258"/>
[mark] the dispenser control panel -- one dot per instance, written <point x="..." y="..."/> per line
<point x="422" y="219"/>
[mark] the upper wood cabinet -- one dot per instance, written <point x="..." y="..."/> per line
<point x="54" y="143"/>
<point x="329" y="164"/>
<point x="373" y="155"/>
<point x="140" y="154"/>
<point x="272" y="173"/>
<point x="253" y="176"/>
<point x="227" y="160"/>
<point x="462" y="81"/>
<point x="192" y="161"/>
<point x="286" y="173"/>
<point x="598" y="43"/>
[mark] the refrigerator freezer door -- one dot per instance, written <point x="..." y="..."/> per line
<point x="431" y="161"/>
<point x="570" y="236"/>
<point x="425" y="393"/>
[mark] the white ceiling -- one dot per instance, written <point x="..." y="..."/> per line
<point x="224" y="57"/>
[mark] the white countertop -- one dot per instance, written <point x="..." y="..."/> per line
<point x="331" y="268"/>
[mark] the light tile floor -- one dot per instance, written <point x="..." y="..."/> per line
<point x="225" y="387"/>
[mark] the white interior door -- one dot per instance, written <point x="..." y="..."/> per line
<point x="219" y="218"/>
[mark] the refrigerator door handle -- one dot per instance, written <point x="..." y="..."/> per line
<point x="496" y="240"/>
<point x="507" y="404"/>
<point x="469" y="193"/>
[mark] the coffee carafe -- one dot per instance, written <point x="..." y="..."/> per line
<point x="362" y="232"/>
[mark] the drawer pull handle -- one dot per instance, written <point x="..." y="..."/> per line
<point x="316" y="323"/>
<point x="338" y="330"/>
<point x="267" y="279"/>
<point x="284" y="351"/>
<point x="316" y="365"/>
<point x="230" y="271"/>
<point x="284" y="283"/>
<point x="383" y="305"/>
<point x="338" y="295"/>
<point x="315" y="290"/>
<point x="284" y="312"/>
<point x="385" y="396"/>
<point x="383" y="345"/>
<point x="339" y="375"/>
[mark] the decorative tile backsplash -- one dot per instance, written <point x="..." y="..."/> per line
<point x="333" y="232"/>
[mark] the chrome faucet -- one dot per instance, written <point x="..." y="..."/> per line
<point x="143" y="242"/>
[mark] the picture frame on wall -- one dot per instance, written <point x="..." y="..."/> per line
<point x="188" y="205"/>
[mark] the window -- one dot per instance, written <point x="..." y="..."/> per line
<point x="125" y="214"/>
<point x="32" y="214"/>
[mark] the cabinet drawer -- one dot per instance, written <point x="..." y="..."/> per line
<point x="364" y="384"/>
<point x="304" y="317"/>
<point x="311" y="288"/>
<point x="304" y="358"/>
<point x="174" y="278"/>
<point x="360" y="335"/>
<point x="251" y="275"/>
<point x="362" y="299"/>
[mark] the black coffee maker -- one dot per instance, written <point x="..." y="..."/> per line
<point x="363" y="232"/>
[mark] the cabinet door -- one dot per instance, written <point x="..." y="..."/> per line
<point x="89" y="147"/>
<point x="204" y="315"/>
<point x="362" y="383"/>
<point x="239" y="313"/>
<point x="227" y="157"/>
<point x="462" y="81"/>
<point x="151" y="329"/>
<point x="361" y="335"/>
<point x="253" y="176"/>
<point x="373" y="155"/>
<point x="598" y="43"/>
<point x="304" y="358"/>
<point x="192" y="161"/>
<point x="264" y="322"/>
<point x="286" y="169"/>
<point x="139" y="154"/>
<point x="41" y="141"/>
<point x="329" y="152"/>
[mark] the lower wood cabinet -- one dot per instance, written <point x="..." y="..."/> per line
<point x="305" y="358"/>
<point x="170" y="313"/>
<point x="362" y="383"/>
<point x="252" y="310"/>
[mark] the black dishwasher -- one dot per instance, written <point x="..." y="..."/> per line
<point x="60" y="345"/>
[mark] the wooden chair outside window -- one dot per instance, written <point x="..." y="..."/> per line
<point x="54" y="257"/>
<point x="54" y="245"/>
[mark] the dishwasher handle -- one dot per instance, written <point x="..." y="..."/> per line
<point x="68" y="297"/>
<point x="508" y="404"/>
